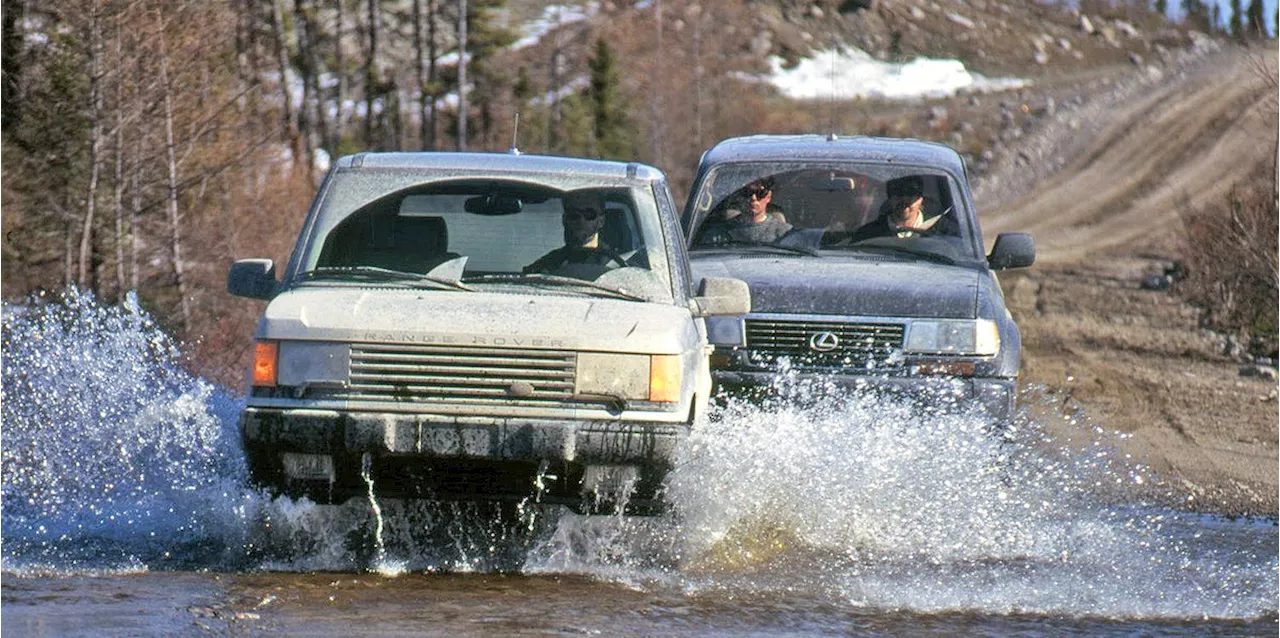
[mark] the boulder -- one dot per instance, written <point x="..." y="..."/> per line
<point x="1259" y="371"/>
<point x="960" y="20"/>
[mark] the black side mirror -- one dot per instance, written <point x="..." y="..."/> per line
<point x="1012" y="250"/>
<point x="252" y="278"/>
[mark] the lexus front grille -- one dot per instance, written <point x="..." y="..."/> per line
<point x="823" y="344"/>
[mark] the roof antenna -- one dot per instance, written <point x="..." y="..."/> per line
<point x="515" y="137"/>
<point x="832" y="76"/>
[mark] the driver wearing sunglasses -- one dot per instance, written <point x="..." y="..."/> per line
<point x="583" y="254"/>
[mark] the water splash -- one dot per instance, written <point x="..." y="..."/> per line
<point x="110" y="447"/>
<point x="115" y="458"/>
<point x="867" y="500"/>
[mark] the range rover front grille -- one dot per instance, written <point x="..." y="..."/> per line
<point x="856" y="345"/>
<point x="453" y="374"/>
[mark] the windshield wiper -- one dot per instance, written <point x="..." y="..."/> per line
<point x="555" y="280"/>
<point x="382" y="275"/>
<point x="931" y="256"/>
<point x="733" y="245"/>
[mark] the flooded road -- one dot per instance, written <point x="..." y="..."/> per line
<point x="125" y="512"/>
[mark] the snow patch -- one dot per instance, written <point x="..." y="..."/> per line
<point x="852" y="73"/>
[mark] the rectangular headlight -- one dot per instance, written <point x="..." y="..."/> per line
<point x="314" y="363"/>
<point x="952" y="336"/>
<point x="725" y="331"/>
<point x="615" y="375"/>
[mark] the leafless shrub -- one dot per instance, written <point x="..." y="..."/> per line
<point x="1231" y="259"/>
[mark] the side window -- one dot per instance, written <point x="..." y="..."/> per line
<point x="620" y="231"/>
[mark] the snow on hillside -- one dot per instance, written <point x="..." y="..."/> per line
<point x="851" y="73"/>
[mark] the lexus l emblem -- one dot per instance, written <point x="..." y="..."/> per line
<point x="824" y="341"/>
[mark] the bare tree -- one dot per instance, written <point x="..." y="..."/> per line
<point x="433" y="78"/>
<point x="655" y="104"/>
<point x="170" y="143"/>
<point x="282" y="64"/>
<point x="313" y="104"/>
<point x="95" y="144"/>
<point x="339" y="63"/>
<point x="118" y="177"/>
<point x="462" y="75"/>
<point x="420" y="72"/>
<point x="372" y="79"/>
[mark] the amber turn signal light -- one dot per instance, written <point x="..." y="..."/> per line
<point x="264" y="363"/>
<point x="664" y="378"/>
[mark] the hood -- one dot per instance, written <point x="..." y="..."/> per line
<point x="845" y="286"/>
<point x="481" y="319"/>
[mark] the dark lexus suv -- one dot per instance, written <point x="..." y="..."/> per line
<point x="866" y="266"/>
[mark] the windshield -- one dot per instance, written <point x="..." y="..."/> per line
<point x="490" y="234"/>
<point x="829" y="207"/>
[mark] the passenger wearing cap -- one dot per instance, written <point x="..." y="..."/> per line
<point x="902" y="215"/>
<point x="583" y="254"/>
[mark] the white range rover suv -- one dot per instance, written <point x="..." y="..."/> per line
<point x="479" y="326"/>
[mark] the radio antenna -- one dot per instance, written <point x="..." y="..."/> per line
<point x="515" y="136"/>
<point x="831" y="74"/>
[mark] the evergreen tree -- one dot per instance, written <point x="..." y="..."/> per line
<point x="609" y="121"/>
<point x="1197" y="16"/>
<point x="1254" y="24"/>
<point x="10" y="69"/>
<point x="47" y="158"/>
<point x="1162" y="8"/>
<point x="1236" y="25"/>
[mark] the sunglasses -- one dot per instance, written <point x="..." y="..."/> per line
<point x="759" y="193"/>
<point x="585" y="214"/>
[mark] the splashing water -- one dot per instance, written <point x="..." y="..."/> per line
<point x="108" y="444"/>
<point x="868" y="501"/>
<point x="115" y="458"/>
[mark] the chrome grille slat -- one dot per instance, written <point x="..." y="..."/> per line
<point x="861" y="344"/>
<point x="455" y="374"/>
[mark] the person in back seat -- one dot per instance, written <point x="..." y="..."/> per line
<point x="583" y="254"/>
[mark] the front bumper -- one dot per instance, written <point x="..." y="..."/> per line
<point x="450" y="458"/>
<point x="995" y="396"/>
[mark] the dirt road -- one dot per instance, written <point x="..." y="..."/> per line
<point x="1095" y="343"/>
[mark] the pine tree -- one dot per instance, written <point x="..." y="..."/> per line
<point x="609" y="122"/>
<point x="1197" y="15"/>
<point x="1254" y="24"/>
<point x="1162" y="8"/>
<point x="11" y="62"/>
<point x="1236" y="25"/>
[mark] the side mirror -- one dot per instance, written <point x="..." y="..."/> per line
<point x="721" y="296"/>
<point x="1012" y="250"/>
<point x="252" y="278"/>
